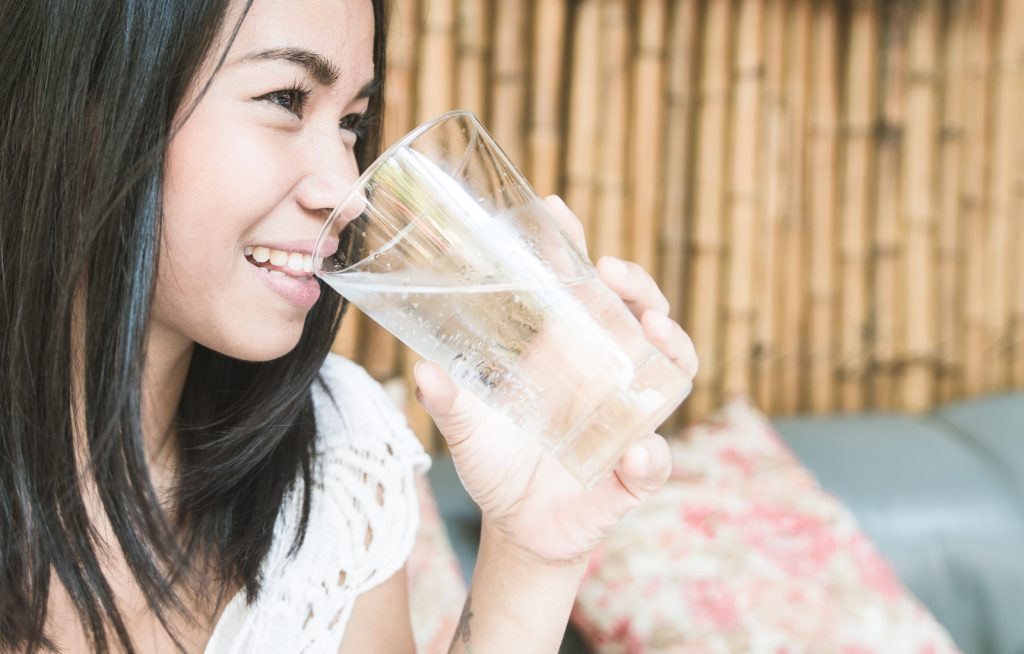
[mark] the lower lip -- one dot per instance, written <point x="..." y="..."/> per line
<point x="303" y="292"/>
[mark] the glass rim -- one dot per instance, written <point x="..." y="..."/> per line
<point x="365" y="176"/>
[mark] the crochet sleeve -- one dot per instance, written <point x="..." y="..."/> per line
<point x="363" y="520"/>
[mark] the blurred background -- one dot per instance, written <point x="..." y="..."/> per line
<point x="829" y="192"/>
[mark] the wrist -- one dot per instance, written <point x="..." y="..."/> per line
<point x="518" y="601"/>
<point x="495" y="543"/>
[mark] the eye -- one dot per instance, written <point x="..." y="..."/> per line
<point x="358" y="124"/>
<point x="292" y="99"/>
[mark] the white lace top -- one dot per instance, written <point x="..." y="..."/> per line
<point x="362" y="522"/>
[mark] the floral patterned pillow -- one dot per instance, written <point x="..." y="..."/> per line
<point x="437" y="590"/>
<point x="741" y="551"/>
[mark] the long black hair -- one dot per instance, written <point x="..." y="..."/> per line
<point x="90" y="93"/>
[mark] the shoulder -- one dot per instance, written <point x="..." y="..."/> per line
<point x="367" y="462"/>
<point x="355" y="412"/>
<point x="363" y="517"/>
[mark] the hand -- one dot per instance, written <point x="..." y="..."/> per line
<point x="528" y="499"/>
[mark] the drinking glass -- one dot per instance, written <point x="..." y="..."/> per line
<point x="457" y="257"/>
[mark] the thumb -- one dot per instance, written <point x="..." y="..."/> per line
<point x="641" y="472"/>
<point x="456" y="413"/>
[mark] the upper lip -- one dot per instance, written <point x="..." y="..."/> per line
<point x="327" y="248"/>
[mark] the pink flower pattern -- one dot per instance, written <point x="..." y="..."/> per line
<point x="742" y="551"/>
<point x="437" y="590"/>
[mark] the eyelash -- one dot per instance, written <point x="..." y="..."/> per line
<point x="296" y="94"/>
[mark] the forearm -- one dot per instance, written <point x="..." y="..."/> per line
<point x="516" y="604"/>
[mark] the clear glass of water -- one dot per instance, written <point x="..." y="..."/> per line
<point x="458" y="258"/>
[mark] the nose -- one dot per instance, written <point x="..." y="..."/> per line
<point x="331" y="173"/>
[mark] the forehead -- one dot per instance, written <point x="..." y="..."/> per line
<point x="339" y="30"/>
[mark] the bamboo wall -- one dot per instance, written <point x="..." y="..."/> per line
<point x="829" y="192"/>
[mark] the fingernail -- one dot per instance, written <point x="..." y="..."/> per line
<point x="416" y="367"/>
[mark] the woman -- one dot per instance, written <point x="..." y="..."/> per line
<point x="183" y="467"/>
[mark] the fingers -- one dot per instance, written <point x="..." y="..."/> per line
<point x="638" y="290"/>
<point x="567" y="220"/>
<point x="645" y="467"/>
<point x="455" y="412"/>
<point x="642" y="471"/>
<point x="632" y="283"/>
<point x="666" y="335"/>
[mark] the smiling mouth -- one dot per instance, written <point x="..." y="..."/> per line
<point x="293" y="264"/>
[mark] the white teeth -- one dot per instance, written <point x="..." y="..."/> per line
<point x="295" y="261"/>
<point x="298" y="262"/>
<point x="278" y="257"/>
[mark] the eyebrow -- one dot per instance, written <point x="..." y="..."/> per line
<point x="319" y="67"/>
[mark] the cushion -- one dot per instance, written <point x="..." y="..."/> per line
<point x="742" y="551"/>
<point x="437" y="589"/>
<point x="938" y="499"/>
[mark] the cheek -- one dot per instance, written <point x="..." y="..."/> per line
<point x="221" y="181"/>
<point x="223" y="178"/>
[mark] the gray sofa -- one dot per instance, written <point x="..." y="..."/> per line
<point x="941" y="496"/>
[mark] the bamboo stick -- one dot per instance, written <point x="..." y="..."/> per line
<point x="974" y="200"/>
<point x="925" y="300"/>
<point x="950" y="252"/>
<point x="792" y="324"/>
<point x="888" y="309"/>
<point x="546" y="78"/>
<point x="435" y="92"/>
<point x="677" y="182"/>
<point x="379" y="350"/>
<point x="347" y="339"/>
<point x="748" y="73"/>
<point x="1001" y="248"/>
<point x="704" y="300"/>
<point x="400" y="91"/>
<point x="374" y="347"/>
<point x="647" y="134"/>
<point x="585" y="89"/>
<point x="610" y="229"/>
<point x="509" y="66"/>
<point x="472" y="56"/>
<point x="857" y="193"/>
<point x="1017" y="211"/>
<point x="821" y="176"/>
<point x="774" y="165"/>
<point x="435" y="95"/>
<point x="1017" y="344"/>
<point x="919" y="216"/>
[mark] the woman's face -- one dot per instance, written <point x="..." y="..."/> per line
<point x="255" y="170"/>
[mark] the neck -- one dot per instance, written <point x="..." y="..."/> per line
<point x="163" y="380"/>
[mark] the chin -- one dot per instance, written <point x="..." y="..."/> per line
<point x="262" y="345"/>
